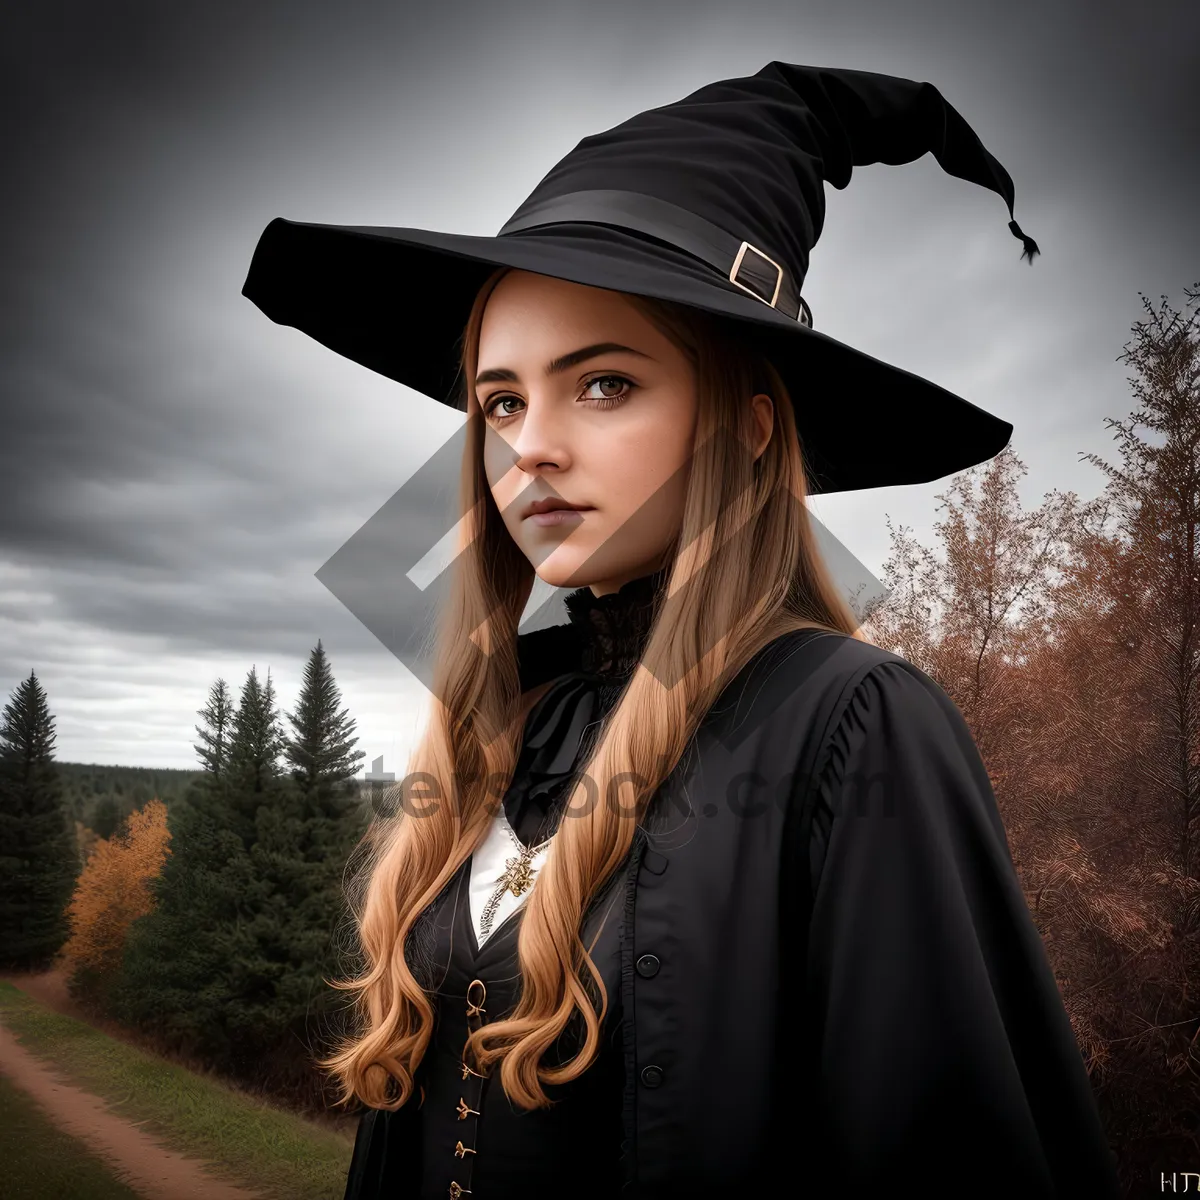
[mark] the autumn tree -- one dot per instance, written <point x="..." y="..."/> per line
<point x="113" y="890"/>
<point x="1155" y="491"/>
<point x="39" y="858"/>
<point x="969" y="617"/>
<point x="1127" y="624"/>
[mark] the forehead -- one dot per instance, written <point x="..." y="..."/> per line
<point x="532" y="307"/>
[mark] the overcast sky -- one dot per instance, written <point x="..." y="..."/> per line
<point x="174" y="468"/>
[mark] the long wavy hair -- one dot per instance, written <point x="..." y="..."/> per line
<point x="744" y="568"/>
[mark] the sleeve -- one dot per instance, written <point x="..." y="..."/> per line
<point x="385" y="1161"/>
<point x="364" y="1180"/>
<point x="943" y="1056"/>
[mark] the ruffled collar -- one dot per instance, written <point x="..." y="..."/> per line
<point x="595" y="652"/>
<point x="613" y="629"/>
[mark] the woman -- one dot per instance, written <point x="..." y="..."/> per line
<point x="699" y="893"/>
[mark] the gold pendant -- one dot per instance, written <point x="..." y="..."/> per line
<point x="518" y="875"/>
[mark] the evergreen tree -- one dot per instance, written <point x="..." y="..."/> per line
<point x="191" y="970"/>
<point x="106" y="817"/>
<point x="302" y="852"/>
<point x="231" y="963"/>
<point x="39" y="858"/>
<point x="321" y="749"/>
<point x="216" y="732"/>
<point x="253" y="777"/>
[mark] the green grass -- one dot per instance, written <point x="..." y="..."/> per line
<point x="40" y="1160"/>
<point x="246" y="1141"/>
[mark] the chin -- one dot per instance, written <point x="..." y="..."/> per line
<point x="560" y="575"/>
<point x="567" y="567"/>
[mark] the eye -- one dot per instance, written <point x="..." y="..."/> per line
<point x="490" y="407"/>
<point x="601" y="401"/>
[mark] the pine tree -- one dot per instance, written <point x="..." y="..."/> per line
<point x="216" y="732"/>
<point x="192" y="967"/>
<point x="231" y="962"/>
<point x="253" y="777"/>
<point x="106" y="817"/>
<point x="39" y="858"/>
<point x="303" y="851"/>
<point x="321" y="749"/>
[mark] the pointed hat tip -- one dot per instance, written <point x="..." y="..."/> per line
<point x="1031" y="247"/>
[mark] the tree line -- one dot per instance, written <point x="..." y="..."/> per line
<point x="99" y="796"/>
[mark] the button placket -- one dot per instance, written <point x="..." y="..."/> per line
<point x="648" y="966"/>
<point x="469" y="1104"/>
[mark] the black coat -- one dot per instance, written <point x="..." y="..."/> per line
<point x="833" y="1004"/>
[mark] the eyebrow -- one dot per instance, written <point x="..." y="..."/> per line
<point x="558" y="365"/>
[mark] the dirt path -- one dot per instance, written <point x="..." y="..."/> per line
<point x="143" y="1163"/>
<point x="49" y="987"/>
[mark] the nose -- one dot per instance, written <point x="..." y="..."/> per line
<point x="542" y="440"/>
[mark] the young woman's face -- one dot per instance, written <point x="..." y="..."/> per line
<point x="610" y="431"/>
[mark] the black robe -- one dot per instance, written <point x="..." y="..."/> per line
<point x="837" y="988"/>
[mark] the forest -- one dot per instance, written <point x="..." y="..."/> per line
<point x="99" y="798"/>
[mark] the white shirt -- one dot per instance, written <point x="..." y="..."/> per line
<point x="488" y="864"/>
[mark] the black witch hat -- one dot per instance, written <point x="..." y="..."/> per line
<point x="713" y="201"/>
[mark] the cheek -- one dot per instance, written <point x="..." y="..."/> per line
<point x="636" y="467"/>
<point x="498" y="462"/>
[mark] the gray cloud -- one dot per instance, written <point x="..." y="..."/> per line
<point x="174" y="469"/>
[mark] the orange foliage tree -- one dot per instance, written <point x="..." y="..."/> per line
<point x="112" y="892"/>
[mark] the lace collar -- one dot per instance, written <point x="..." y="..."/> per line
<point x="613" y="628"/>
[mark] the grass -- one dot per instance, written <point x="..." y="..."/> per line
<point x="247" y="1141"/>
<point x="41" y="1160"/>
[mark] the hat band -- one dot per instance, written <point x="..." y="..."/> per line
<point x="743" y="264"/>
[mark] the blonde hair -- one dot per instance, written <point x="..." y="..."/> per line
<point x="743" y="520"/>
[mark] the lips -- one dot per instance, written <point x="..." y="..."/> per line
<point x="552" y="504"/>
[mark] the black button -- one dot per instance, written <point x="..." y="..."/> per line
<point x="652" y="1076"/>
<point x="654" y="862"/>
<point x="648" y="965"/>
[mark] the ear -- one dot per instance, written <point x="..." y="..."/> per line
<point x="764" y="417"/>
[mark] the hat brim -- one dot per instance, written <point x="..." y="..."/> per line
<point x="397" y="300"/>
